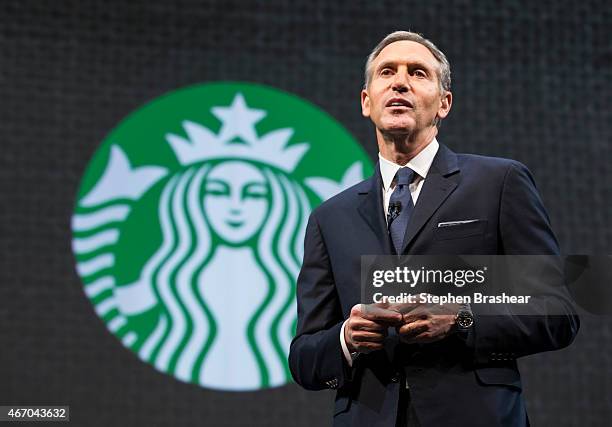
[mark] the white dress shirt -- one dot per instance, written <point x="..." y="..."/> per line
<point x="420" y="164"/>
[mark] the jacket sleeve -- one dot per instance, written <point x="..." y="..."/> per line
<point x="315" y="357"/>
<point x="550" y="321"/>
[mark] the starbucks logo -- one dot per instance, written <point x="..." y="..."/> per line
<point x="189" y="224"/>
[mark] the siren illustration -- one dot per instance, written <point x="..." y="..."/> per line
<point x="193" y="264"/>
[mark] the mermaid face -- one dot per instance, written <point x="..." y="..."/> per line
<point x="236" y="200"/>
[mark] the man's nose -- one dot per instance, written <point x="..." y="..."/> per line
<point x="400" y="82"/>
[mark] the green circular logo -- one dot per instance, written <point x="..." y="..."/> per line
<point x="189" y="225"/>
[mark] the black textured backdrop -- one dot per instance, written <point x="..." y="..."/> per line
<point x="531" y="81"/>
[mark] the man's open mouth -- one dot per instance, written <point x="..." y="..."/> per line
<point x="399" y="103"/>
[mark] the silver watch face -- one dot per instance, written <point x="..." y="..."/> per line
<point x="465" y="319"/>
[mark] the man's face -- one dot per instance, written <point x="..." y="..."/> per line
<point x="404" y="95"/>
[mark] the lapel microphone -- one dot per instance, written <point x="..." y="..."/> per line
<point x="395" y="208"/>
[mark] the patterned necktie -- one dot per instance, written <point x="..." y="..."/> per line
<point x="400" y="207"/>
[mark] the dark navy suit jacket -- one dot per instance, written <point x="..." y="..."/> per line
<point x="455" y="381"/>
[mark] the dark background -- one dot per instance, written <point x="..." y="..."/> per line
<point x="531" y="81"/>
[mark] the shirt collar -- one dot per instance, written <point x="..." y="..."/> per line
<point x="420" y="164"/>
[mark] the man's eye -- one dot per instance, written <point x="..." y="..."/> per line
<point x="385" y="72"/>
<point x="419" y="73"/>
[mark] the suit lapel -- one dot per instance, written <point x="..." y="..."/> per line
<point x="441" y="181"/>
<point x="371" y="210"/>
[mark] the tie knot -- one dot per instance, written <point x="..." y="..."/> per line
<point x="404" y="176"/>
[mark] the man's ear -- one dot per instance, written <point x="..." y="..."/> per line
<point x="445" y="104"/>
<point x="365" y="103"/>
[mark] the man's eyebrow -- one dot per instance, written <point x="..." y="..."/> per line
<point x="411" y="64"/>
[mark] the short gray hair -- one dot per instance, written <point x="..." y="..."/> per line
<point x="444" y="73"/>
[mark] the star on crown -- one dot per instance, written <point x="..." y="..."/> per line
<point x="237" y="122"/>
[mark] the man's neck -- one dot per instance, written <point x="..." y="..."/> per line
<point x="401" y="148"/>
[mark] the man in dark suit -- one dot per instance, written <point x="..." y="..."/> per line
<point x="413" y="365"/>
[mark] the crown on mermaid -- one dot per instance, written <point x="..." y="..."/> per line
<point x="237" y="138"/>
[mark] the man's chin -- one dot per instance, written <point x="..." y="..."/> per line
<point x="397" y="130"/>
<point x="398" y="126"/>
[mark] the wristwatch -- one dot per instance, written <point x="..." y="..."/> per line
<point x="464" y="318"/>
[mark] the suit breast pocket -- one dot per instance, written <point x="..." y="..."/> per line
<point x="460" y="229"/>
